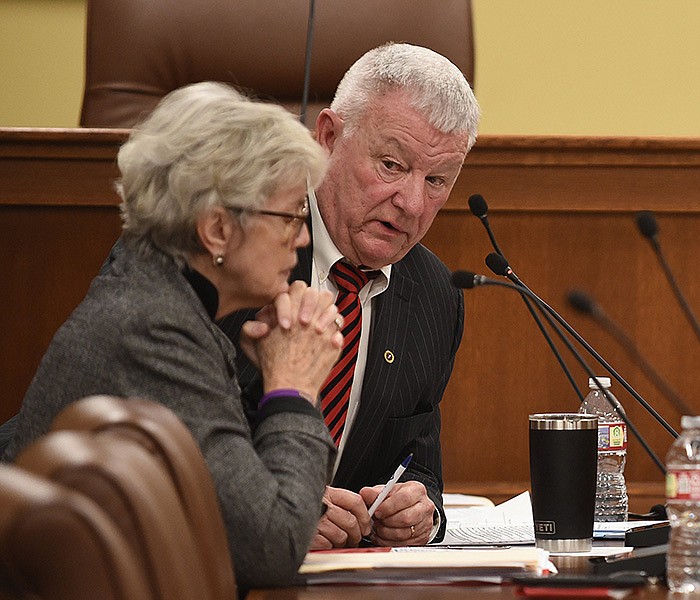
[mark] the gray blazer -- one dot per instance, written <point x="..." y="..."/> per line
<point x="420" y="320"/>
<point x="143" y="331"/>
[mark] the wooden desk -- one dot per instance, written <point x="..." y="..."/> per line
<point x="399" y="592"/>
<point x="566" y="564"/>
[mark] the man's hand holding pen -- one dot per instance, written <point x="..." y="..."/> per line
<point x="393" y="514"/>
<point x="404" y="518"/>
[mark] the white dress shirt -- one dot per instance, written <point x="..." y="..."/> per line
<point x="325" y="255"/>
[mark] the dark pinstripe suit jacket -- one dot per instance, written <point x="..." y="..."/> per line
<point x="420" y="320"/>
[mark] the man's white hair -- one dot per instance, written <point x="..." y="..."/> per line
<point x="435" y="86"/>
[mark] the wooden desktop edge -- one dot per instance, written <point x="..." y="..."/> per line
<point x="29" y="154"/>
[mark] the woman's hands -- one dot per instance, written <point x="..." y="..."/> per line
<point x="295" y="340"/>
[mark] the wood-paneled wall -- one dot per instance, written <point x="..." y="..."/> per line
<point x="562" y="210"/>
<point x="58" y="220"/>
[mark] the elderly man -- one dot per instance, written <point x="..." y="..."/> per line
<point x="396" y="134"/>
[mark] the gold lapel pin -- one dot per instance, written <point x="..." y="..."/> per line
<point x="388" y="356"/>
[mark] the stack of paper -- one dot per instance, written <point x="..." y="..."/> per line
<point x="508" y="523"/>
<point x="464" y="500"/>
<point x="426" y="565"/>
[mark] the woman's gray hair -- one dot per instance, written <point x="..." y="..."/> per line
<point x="207" y="145"/>
<point x="435" y="86"/>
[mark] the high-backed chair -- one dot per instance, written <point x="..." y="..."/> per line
<point x="56" y="544"/>
<point x="131" y="486"/>
<point x="139" y="50"/>
<point x="157" y="429"/>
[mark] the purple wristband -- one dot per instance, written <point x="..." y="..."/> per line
<point x="286" y="393"/>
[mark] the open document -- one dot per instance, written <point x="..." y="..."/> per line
<point x="424" y="565"/>
<point x="506" y="524"/>
<point x="509" y="523"/>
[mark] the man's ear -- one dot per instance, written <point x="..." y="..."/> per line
<point x="329" y="128"/>
<point x="215" y="228"/>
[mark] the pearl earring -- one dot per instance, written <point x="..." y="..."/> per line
<point x="218" y="260"/>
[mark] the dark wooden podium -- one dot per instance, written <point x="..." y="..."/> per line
<point x="562" y="210"/>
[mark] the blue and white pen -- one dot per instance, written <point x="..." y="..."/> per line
<point x="390" y="484"/>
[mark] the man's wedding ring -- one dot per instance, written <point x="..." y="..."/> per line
<point x="413" y="530"/>
<point x="339" y="322"/>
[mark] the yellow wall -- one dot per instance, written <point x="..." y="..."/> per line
<point x="593" y="67"/>
<point x="42" y="47"/>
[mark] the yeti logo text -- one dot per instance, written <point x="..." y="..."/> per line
<point x="545" y="527"/>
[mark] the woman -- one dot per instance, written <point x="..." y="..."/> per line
<point x="214" y="207"/>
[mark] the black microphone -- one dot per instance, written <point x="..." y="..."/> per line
<point x="307" y="61"/>
<point x="585" y="304"/>
<point x="468" y="280"/>
<point x="649" y="228"/>
<point x="499" y="265"/>
<point x="480" y="209"/>
<point x="646" y="222"/>
<point x="504" y="269"/>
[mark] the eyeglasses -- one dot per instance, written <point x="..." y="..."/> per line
<point x="294" y="222"/>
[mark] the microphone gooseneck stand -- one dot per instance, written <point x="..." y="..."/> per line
<point x="510" y="274"/>
<point x="307" y="61"/>
<point x="646" y="222"/>
<point x="586" y="305"/>
<point x="479" y="209"/>
<point x="468" y="280"/>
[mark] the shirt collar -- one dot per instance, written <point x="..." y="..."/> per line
<point x="326" y="253"/>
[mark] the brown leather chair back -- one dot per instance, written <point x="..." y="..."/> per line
<point x="157" y="429"/>
<point x="129" y="484"/>
<point x="56" y="544"/>
<point x="139" y="50"/>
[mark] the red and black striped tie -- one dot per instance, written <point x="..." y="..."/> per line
<point x="335" y="393"/>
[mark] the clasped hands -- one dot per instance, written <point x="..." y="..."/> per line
<point x="295" y="340"/>
<point x="404" y="518"/>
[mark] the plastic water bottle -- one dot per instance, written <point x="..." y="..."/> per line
<point x="611" y="491"/>
<point x="683" y="507"/>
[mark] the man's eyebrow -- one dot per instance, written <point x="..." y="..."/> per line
<point x="390" y="142"/>
<point x="395" y="145"/>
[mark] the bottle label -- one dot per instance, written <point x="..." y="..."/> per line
<point x="683" y="484"/>
<point x="612" y="436"/>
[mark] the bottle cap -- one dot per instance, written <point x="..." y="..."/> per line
<point x="688" y="422"/>
<point x="603" y="382"/>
